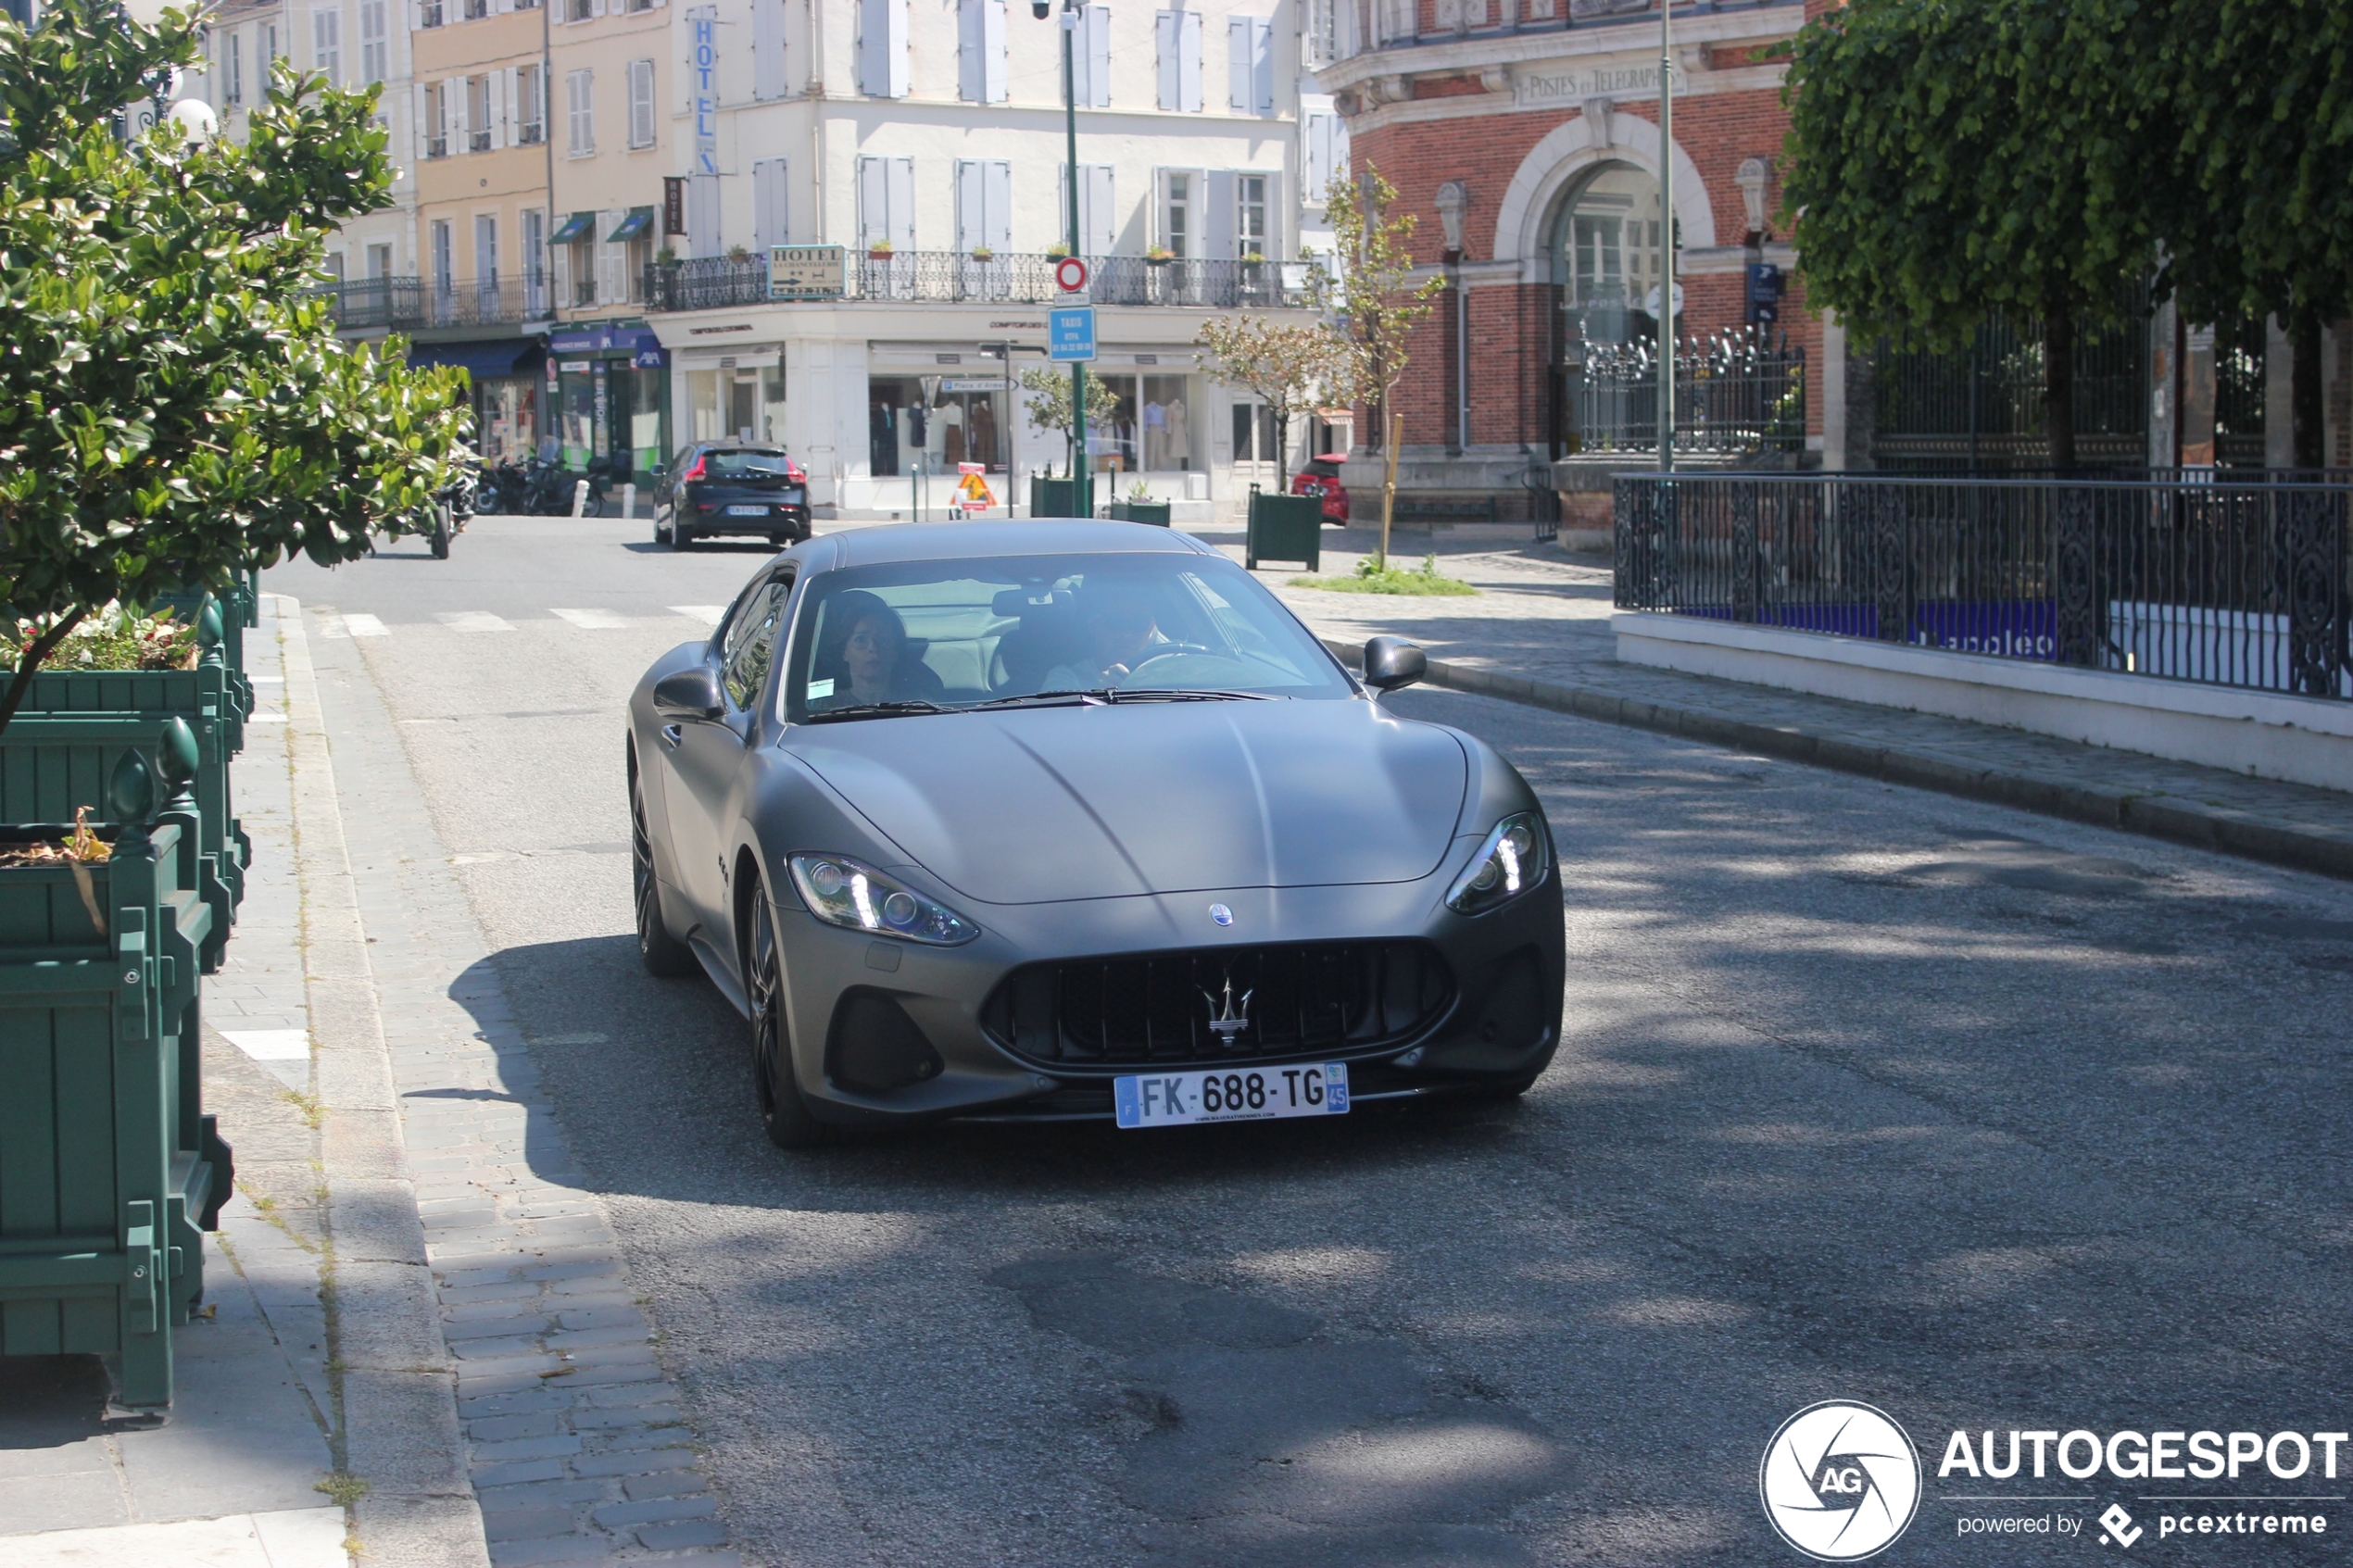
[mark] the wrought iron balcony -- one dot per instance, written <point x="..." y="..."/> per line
<point x="955" y="278"/>
<point x="410" y="304"/>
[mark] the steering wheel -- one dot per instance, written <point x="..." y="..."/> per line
<point x="1168" y="650"/>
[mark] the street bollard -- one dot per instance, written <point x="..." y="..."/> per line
<point x="629" y="503"/>
<point x="579" y="498"/>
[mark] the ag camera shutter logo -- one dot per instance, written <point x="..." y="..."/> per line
<point x="1839" y="1481"/>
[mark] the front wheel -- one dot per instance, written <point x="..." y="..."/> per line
<point x="440" y="534"/>
<point x="663" y="954"/>
<point x="665" y="537"/>
<point x="783" y="1114"/>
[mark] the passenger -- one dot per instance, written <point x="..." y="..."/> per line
<point x="867" y="656"/>
<point x="1118" y="634"/>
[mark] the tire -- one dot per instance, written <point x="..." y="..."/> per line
<point x="781" y="541"/>
<point x="663" y="955"/>
<point x="783" y="1114"/>
<point x="440" y="536"/>
<point x="665" y="537"/>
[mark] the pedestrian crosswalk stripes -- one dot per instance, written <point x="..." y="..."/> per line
<point x="591" y="619"/>
<point x="364" y="626"/>
<point x="708" y="614"/>
<point x="473" y="621"/>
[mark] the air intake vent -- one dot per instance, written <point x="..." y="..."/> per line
<point x="1214" y="1005"/>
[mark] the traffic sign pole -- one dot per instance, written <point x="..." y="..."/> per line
<point x="1082" y="488"/>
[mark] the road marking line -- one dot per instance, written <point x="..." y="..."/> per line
<point x="592" y="620"/>
<point x="365" y="626"/>
<point x="473" y="621"/>
<point x="708" y="614"/>
<point x="270" y="1044"/>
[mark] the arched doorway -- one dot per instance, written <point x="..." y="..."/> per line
<point x="1607" y="264"/>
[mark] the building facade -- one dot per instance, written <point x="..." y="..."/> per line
<point x="927" y="142"/>
<point x="1525" y="136"/>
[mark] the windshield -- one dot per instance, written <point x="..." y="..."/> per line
<point x="956" y="634"/>
<point x="736" y="464"/>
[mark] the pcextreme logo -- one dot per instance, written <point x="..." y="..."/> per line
<point x="1839" y="1481"/>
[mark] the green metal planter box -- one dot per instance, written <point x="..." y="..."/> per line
<point x="240" y="611"/>
<point x="1153" y="512"/>
<point x="75" y="724"/>
<point x="109" y="1169"/>
<point x="1285" y="528"/>
<point x="1056" y="497"/>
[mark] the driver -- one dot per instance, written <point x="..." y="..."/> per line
<point x="1117" y="634"/>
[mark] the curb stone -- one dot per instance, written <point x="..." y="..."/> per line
<point x="2172" y="817"/>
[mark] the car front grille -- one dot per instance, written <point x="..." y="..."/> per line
<point x="1210" y="1006"/>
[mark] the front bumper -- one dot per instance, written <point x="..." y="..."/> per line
<point x="845" y="992"/>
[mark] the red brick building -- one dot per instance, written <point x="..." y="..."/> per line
<point x="1525" y="134"/>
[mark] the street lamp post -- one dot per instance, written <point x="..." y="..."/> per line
<point x="1082" y="491"/>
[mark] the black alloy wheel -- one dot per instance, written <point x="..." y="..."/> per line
<point x="663" y="954"/>
<point x="783" y="1114"/>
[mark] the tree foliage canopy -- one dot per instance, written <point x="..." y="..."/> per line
<point x="1291" y="365"/>
<point x="175" y="406"/>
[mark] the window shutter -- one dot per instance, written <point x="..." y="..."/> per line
<point x="494" y="89"/>
<point x="992" y="51"/>
<point x="1168" y="30"/>
<point x="453" y="111"/>
<point x="609" y="289"/>
<point x="1099" y="217"/>
<point x="769" y="219"/>
<point x="873" y="202"/>
<point x="1237" y="73"/>
<point x="1315" y="155"/>
<point x="997" y="193"/>
<point x="972" y="208"/>
<point x="971" y="78"/>
<point x="424" y="131"/>
<point x="901" y="181"/>
<point x="768" y="49"/>
<point x="1096" y="20"/>
<point x="1216" y="214"/>
<point x="1189" y="63"/>
<point x="1262" y="61"/>
<point x="562" y="271"/>
<point x="512" y="114"/>
<point x="882" y="48"/>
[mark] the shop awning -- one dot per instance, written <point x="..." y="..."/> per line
<point x="484" y="362"/>
<point x="578" y="227"/>
<point x="639" y="223"/>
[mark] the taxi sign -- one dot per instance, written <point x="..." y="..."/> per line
<point x="1070" y="333"/>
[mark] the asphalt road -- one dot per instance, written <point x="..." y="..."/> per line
<point x="1988" y="1120"/>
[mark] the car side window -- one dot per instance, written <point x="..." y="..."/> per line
<point x="751" y="641"/>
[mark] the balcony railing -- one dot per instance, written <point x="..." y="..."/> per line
<point x="952" y="277"/>
<point x="408" y="303"/>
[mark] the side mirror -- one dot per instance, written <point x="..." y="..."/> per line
<point x="1392" y="662"/>
<point x="689" y="694"/>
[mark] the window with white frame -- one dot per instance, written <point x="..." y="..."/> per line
<point x="1319" y="33"/>
<point x="478" y="114"/>
<point x="1178" y="230"/>
<point x="326" y="45"/>
<point x="580" y="11"/>
<point x="429" y="13"/>
<point x="980" y="50"/>
<point x="486" y="252"/>
<point x="535" y="261"/>
<point x="580" y="106"/>
<point x="641" y="102"/>
<point x="375" y="49"/>
<point x="530" y="105"/>
<point x="444" y="279"/>
<point x="1179" y="36"/>
<point x="476" y="9"/>
<point x="1250" y="234"/>
<point x="433" y="125"/>
<point x="232" y="69"/>
<point x="1249" y="65"/>
<point x="266" y="52"/>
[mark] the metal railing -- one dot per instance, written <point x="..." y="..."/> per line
<point x="2215" y="581"/>
<point x="952" y="277"/>
<point x="407" y="304"/>
<point x="1737" y="392"/>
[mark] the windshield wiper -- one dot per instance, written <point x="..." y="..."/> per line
<point x="877" y="711"/>
<point x="1194" y="694"/>
<point x="1113" y="695"/>
<point x="1058" y="698"/>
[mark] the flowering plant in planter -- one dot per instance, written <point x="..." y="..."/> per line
<point x="879" y="249"/>
<point x="1159" y="255"/>
<point x="109" y="638"/>
<point x="982" y="253"/>
<point x="1056" y="251"/>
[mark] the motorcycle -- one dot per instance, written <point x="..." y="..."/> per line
<point x="452" y="509"/>
<point x="547" y="488"/>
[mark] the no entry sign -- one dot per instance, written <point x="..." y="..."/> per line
<point x="1070" y="274"/>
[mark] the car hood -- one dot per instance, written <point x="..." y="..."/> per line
<point x="1042" y="805"/>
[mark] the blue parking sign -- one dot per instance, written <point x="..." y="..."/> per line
<point x="1070" y="332"/>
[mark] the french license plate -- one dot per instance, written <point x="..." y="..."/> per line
<point x="1256" y="1094"/>
<point x="747" y="511"/>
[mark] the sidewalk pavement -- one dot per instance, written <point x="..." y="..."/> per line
<point x="1539" y="633"/>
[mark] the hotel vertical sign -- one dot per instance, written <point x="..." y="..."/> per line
<point x="702" y="69"/>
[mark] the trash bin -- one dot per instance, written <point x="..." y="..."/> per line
<point x="1285" y="528"/>
<point x="1055" y="498"/>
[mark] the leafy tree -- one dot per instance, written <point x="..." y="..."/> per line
<point x="2257" y="137"/>
<point x="1290" y="364"/>
<point x="1949" y="158"/>
<point x="1049" y="404"/>
<point x="1367" y="285"/>
<point x="175" y="406"/>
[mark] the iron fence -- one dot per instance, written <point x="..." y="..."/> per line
<point x="2214" y="579"/>
<point x="953" y="277"/>
<point x="1737" y="392"/>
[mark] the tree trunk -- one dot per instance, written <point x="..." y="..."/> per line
<point x="2059" y="384"/>
<point x="29" y="660"/>
<point x="2308" y="414"/>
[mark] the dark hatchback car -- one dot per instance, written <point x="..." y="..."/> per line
<point x="732" y="487"/>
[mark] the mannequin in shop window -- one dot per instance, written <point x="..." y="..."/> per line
<point x="951" y="433"/>
<point x="982" y="442"/>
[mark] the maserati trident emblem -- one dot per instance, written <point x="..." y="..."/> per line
<point x="1221" y="914"/>
<point x="1228" y="1018"/>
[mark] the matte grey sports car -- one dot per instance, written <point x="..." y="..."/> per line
<point x="1063" y="820"/>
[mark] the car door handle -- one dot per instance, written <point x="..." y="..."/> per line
<point x="672" y="734"/>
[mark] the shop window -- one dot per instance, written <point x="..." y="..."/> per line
<point x="1255" y="438"/>
<point x="1606" y="257"/>
<point x="1166" y="421"/>
<point x="736" y="401"/>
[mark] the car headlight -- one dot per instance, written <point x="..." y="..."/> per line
<point x="843" y="892"/>
<point x="1508" y="863"/>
